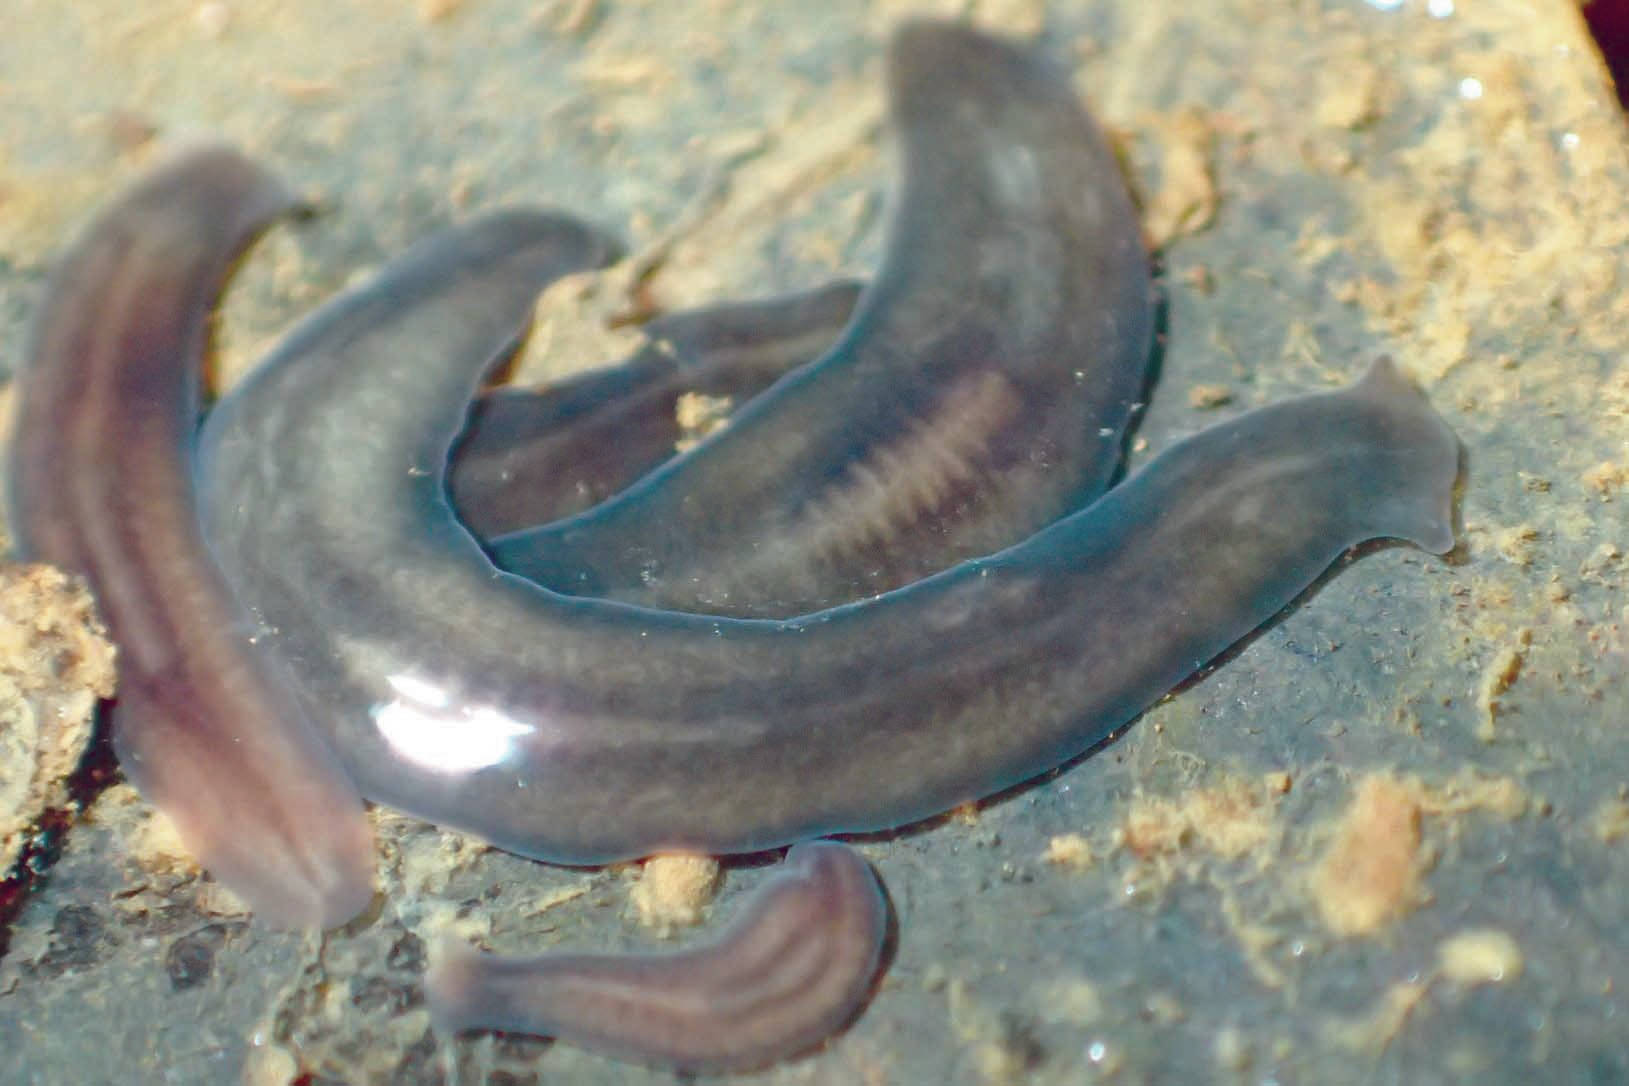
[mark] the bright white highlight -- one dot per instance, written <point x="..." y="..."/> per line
<point x="426" y="728"/>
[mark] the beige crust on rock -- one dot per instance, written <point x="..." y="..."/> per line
<point x="55" y="663"/>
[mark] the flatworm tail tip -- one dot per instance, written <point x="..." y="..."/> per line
<point x="449" y="982"/>
<point x="1429" y="510"/>
<point x="297" y="849"/>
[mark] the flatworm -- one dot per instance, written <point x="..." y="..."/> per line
<point x="101" y="485"/>
<point x="577" y="730"/>
<point x="791" y="969"/>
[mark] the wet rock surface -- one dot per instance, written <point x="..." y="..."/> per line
<point x="1385" y="840"/>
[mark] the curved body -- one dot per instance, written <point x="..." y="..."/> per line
<point x="982" y="389"/>
<point x="584" y="731"/>
<point x="101" y="485"/>
<point x="793" y="966"/>
<point x="531" y="456"/>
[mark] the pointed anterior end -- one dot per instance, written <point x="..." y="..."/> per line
<point x="928" y="58"/>
<point x="793" y="968"/>
<point x="1426" y="509"/>
<point x="238" y="195"/>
